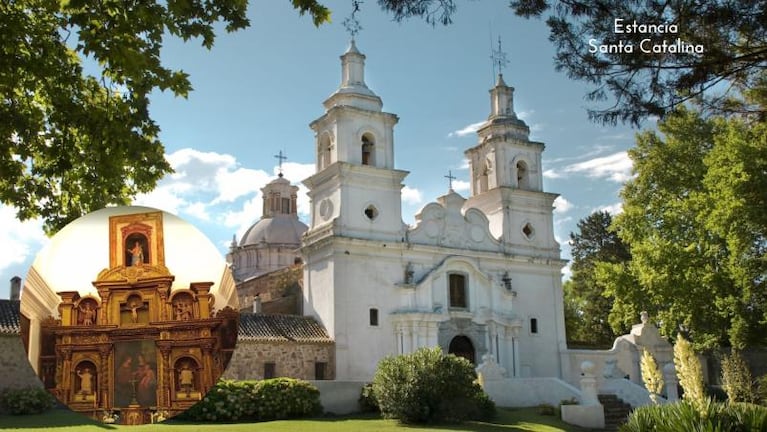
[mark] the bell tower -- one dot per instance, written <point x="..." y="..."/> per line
<point x="356" y="189"/>
<point x="507" y="180"/>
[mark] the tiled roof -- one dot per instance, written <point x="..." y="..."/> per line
<point x="273" y="328"/>
<point x="9" y="317"/>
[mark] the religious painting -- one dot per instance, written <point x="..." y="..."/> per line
<point x="135" y="374"/>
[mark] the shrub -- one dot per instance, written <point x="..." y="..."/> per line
<point x="282" y="398"/>
<point x="30" y="400"/>
<point x="428" y="386"/>
<point x="707" y="416"/>
<point x="367" y="401"/>
<point x="761" y="389"/>
<point x="278" y="398"/>
<point x="736" y="379"/>
<point x="689" y="371"/>
<point x="651" y="375"/>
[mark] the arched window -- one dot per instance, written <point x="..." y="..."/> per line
<point x="324" y="151"/>
<point x="368" y="150"/>
<point x="457" y="291"/>
<point x="523" y="181"/>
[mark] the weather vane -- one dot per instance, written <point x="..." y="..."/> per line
<point x="351" y="23"/>
<point x="280" y="157"/>
<point x="450" y="177"/>
<point x="499" y="58"/>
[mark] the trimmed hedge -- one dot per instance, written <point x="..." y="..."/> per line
<point x="30" y="400"/>
<point x="689" y="416"/>
<point x="271" y="399"/>
<point x="428" y="386"/>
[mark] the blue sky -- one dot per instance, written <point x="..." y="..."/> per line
<point x="257" y="90"/>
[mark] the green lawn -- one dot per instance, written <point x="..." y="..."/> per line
<point x="508" y="420"/>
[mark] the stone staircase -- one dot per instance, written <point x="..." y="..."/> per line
<point x="616" y="411"/>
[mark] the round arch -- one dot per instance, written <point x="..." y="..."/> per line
<point x="461" y="346"/>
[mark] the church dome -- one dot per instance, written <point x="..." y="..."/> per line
<point x="278" y="229"/>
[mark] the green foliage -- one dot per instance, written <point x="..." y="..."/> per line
<point x="30" y="400"/>
<point x="587" y="307"/>
<point x="651" y="375"/>
<point x="709" y="416"/>
<point x="277" y="398"/>
<point x="737" y="380"/>
<point x="694" y="220"/>
<point x="367" y="400"/>
<point x="689" y="371"/>
<point x="761" y="389"/>
<point x="71" y="142"/>
<point x="428" y="386"/>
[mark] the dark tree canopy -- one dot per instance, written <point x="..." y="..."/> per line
<point x="636" y="85"/>
<point x="586" y="306"/>
<point x="71" y="142"/>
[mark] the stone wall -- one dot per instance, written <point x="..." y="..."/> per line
<point x="279" y="291"/>
<point x="16" y="370"/>
<point x="291" y="359"/>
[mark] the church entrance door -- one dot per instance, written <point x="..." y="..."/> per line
<point x="462" y="347"/>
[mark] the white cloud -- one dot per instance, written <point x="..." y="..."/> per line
<point x="461" y="186"/>
<point x="210" y="185"/>
<point x="567" y="272"/>
<point x="615" y="167"/>
<point x="613" y="209"/>
<point x="464" y="164"/>
<point x="19" y="239"/>
<point x="411" y="195"/>
<point x="552" y="174"/>
<point x="561" y="205"/>
<point x="467" y="130"/>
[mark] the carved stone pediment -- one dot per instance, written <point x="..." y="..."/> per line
<point x="132" y="274"/>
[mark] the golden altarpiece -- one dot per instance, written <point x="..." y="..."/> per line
<point x="139" y="348"/>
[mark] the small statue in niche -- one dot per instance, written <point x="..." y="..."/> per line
<point x="137" y="254"/>
<point x="88" y="313"/>
<point x="134" y="307"/>
<point x="186" y="378"/>
<point x="86" y="381"/>
<point x="183" y="310"/>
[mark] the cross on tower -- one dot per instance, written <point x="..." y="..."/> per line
<point x="280" y="157"/>
<point x="499" y="58"/>
<point x="450" y="177"/>
<point x="351" y="23"/>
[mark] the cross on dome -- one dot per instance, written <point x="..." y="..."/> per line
<point x="450" y="177"/>
<point x="280" y="157"/>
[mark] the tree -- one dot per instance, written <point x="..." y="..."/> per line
<point x="694" y="220"/>
<point x="586" y="306"/>
<point x="71" y="142"/>
<point x="722" y="54"/>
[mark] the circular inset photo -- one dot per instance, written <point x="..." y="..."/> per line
<point x="131" y="315"/>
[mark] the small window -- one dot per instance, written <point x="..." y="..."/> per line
<point x="319" y="370"/>
<point x="373" y="317"/>
<point x="534" y="325"/>
<point x="371" y="212"/>
<point x="528" y="231"/>
<point x="269" y="370"/>
<point x="457" y="291"/>
<point x="286" y="205"/>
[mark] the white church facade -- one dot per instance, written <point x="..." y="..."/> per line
<point x="476" y="276"/>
